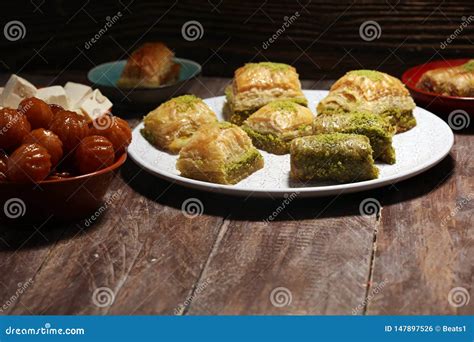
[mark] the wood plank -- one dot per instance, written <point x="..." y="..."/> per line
<point x="23" y="251"/>
<point x="143" y="249"/>
<point x="138" y="243"/>
<point x="318" y="250"/>
<point x="326" y="31"/>
<point x="425" y="246"/>
<point x="229" y="260"/>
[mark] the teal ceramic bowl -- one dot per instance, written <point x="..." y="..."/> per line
<point x="106" y="75"/>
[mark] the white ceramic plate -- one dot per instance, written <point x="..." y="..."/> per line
<point x="416" y="150"/>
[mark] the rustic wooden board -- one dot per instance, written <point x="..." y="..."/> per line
<point x="323" y="41"/>
<point x="143" y="248"/>
<point x="139" y="249"/>
<point x="425" y="243"/>
<point x="22" y="253"/>
<point x="318" y="251"/>
<point x="228" y="260"/>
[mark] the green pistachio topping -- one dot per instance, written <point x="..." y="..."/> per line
<point x="186" y="102"/>
<point x="284" y="106"/>
<point x="469" y="66"/>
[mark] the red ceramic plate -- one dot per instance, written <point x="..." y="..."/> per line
<point x="437" y="103"/>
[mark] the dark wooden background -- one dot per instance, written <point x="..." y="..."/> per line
<point x="323" y="42"/>
<point x="333" y="260"/>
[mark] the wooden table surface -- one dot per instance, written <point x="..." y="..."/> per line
<point x="319" y="256"/>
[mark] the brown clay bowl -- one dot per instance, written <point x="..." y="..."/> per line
<point x="56" y="200"/>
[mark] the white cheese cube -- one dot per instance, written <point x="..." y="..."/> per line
<point x="76" y="92"/>
<point x="53" y="95"/>
<point x="95" y="104"/>
<point x="16" y="90"/>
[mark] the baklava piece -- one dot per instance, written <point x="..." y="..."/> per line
<point x="275" y="125"/>
<point x="219" y="153"/>
<point x="374" y="92"/>
<point x="171" y="125"/>
<point x="377" y="129"/>
<point x="150" y="66"/>
<point x="337" y="157"/>
<point x="451" y="81"/>
<point x="256" y="84"/>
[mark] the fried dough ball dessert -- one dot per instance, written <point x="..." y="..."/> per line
<point x="13" y="127"/>
<point x="38" y="112"/>
<point x="3" y="166"/>
<point x="70" y="127"/>
<point x="48" y="140"/>
<point x="115" y="129"/>
<point x="94" y="153"/>
<point x="29" y="163"/>
<point x="55" y="108"/>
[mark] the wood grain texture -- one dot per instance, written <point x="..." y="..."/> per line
<point x="141" y="250"/>
<point x="148" y="254"/>
<point x="324" y="41"/>
<point x="229" y="259"/>
<point x="425" y="245"/>
<point x="293" y="266"/>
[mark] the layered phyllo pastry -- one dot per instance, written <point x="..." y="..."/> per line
<point x="219" y="153"/>
<point x="171" y="125"/>
<point x="275" y="125"/>
<point x="452" y="81"/>
<point x="150" y="66"/>
<point x="256" y="84"/>
<point x="376" y="128"/>
<point x="335" y="157"/>
<point x="371" y="91"/>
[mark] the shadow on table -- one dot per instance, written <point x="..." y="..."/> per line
<point x="291" y="207"/>
<point x="31" y="236"/>
<point x="16" y="237"/>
